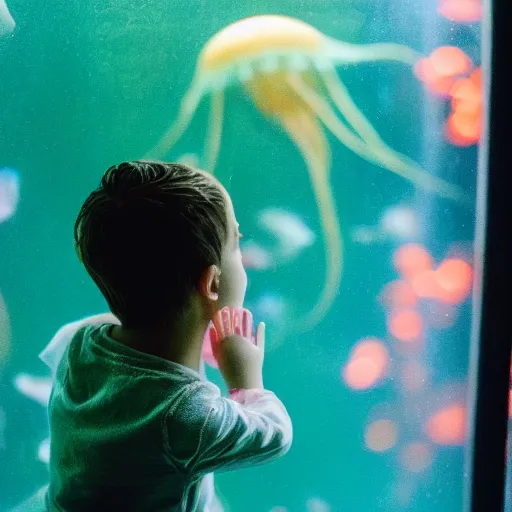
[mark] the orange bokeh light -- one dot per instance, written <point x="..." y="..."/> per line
<point x="373" y="348"/>
<point x="461" y="11"/>
<point x="411" y="259"/>
<point x="465" y="123"/>
<point x="381" y="435"/>
<point x="455" y="279"/>
<point x="466" y="97"/>
<point x="425" y="284"/>
<point x="450" y="61"/>
<point x="435" y="83"/>
<point x="439" y="71"/>
<point x="447" y="426"/>
<point x="398" y="294"/>
<point x="367" y="365"/>
<point x="463" y="130"/>
<point x="405" y="325"/>
<point x="361" y="373"/>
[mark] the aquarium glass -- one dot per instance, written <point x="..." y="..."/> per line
<point x="347" y="134"/>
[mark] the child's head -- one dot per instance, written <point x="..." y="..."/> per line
<point x="157" y="238"/>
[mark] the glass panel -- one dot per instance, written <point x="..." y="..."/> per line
<point x="352" y="169"/>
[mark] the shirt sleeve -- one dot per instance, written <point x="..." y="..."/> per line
<point x="206" y="432"/>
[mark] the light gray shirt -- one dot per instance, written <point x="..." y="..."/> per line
<point x="133" y="432"/>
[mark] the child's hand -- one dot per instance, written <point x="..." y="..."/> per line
<point x="238" y="354"/>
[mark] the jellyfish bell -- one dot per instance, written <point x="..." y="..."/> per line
<point x="288" y="68"/>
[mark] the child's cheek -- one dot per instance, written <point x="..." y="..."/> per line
<point x="233" y="284"/>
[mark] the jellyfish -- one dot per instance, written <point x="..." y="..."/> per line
<point x="288" y="68"/>
<point x="7" y="23"/>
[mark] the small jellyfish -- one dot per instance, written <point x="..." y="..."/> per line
<point x="255" y="257"/>
<point x="36" y="388"/>
<point x="189" y="159"/>
<point x="317" y="505"/>
<point x="400" y="222"/>
<point x="289" y="229"/>
<point x="397" y="223"/>
<point x="7" y="23"/>
<point x="9" y="193"/>
<point x="366" y="235"/>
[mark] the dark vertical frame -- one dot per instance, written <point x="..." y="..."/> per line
<point x="492" y="324"/>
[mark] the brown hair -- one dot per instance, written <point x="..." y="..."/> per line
<point x="147" y="233"/>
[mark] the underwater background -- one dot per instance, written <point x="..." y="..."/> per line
<point x="377" y="389"/>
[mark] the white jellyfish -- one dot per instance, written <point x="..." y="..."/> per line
<point x="7" y="23"/>
<point x="290" y="230"/>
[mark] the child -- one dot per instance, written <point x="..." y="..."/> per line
<point x="133" y="425"/>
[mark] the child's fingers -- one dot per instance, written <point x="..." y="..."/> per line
<point x="237" y="321"/>
<point x="227" y="324"/>
<point x="223" y="324"/>
<point x="247" y="324"/>
<point x="260" y="336"/>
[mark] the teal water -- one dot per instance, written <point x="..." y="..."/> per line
<point x="85" y="85"/>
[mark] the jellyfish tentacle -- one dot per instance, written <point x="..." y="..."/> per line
<point x="384" y="153"/>
<point x="383" y="156"/>
<point x="342" y="99"/>
<point x="188" y="107"/>
<point x="347" y="53"/>
<point x="214" y="135"/>
<point x="307" y="134"/>
<point x="325" y="113"/>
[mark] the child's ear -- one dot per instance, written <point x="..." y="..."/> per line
<point x="210" y="283"/>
